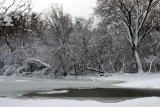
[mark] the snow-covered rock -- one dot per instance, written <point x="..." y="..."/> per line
<point x="10" y="69"/>
<point x="34" y="67"/>
<point x="31" y="67"/>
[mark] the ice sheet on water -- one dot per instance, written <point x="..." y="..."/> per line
<point x="54" y="92"/>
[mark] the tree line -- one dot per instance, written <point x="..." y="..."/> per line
<point x="121" y="37"/>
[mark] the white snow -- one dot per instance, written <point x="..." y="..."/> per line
<point x="54" y="92"/>
<point x="131" y="77"/>
<point x="32" y="59"/>
<point x="8" y="21"/>
<point x="139" y="80"/>
<point x="11" y="69"/>
<point x="21" y="80"/>
<point x="151" y="83"/>
<point x="140" y="102"/>
<point x="5" y="8"/>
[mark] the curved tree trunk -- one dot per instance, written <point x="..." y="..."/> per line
<point x="138" y="61"/>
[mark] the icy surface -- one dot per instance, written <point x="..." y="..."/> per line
<point x="54" y="92"/>
<point x="1" y="79"/>
<point x="21" y="80"/>
<point x="13" y="86"/>
<point x="140" y="102"/>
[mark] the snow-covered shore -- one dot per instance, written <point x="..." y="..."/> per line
<point x="150" y="84"/>
<point x="140" y="102"/>
<point x="141" y="80"/>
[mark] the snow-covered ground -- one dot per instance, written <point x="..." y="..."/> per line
<point x="140" y="102"/>
<point x="150" y="84"/>
<point x="141" y="80"/>
<point x="131" y="77"/>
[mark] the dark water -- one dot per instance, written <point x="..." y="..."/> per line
<point x="114" y="94"/>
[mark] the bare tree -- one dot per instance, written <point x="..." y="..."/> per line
<point x="134" y="18"/>
<point x="60" y="24"/>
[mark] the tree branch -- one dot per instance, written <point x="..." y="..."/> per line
<point x="9" y="7"/>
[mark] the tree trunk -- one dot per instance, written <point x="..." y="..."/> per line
<point x="138" y="61"/>
<point x="150" y="67"/>
<point x="75" y="70"/>
<point x="99" y="68"/>
<point x="64" y="71"/>
<point x="112" y="66"/>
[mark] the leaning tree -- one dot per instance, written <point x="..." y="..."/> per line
<point x="135" y="18"/>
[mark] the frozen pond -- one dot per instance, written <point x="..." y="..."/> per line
<point x="34" y="88"/>
<point x="15" y="86"/>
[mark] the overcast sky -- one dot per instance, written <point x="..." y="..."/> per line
<point x="76" y="8"/>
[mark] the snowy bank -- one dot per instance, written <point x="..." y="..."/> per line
<point x="118" y="77"/>
<point x="142" y="80"/>
<point x="150" y="84"/>
<point x="139" y="80"/>
<point x="130" y="77"/>
<point x="140" y="102"/>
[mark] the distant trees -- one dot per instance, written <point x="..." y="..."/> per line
<point x="134" y="18"/>
<point x="13" y="19"/>
<point x="84" y="56"/>
<point x="19" y="30"/>
<point x="77" y="45"/>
